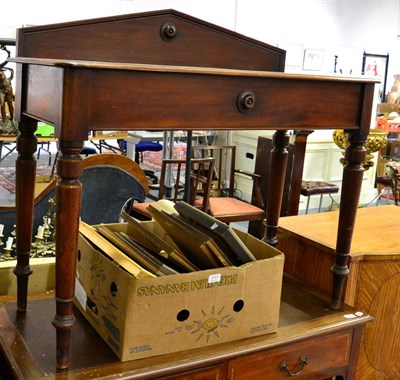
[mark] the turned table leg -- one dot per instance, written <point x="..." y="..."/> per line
<point x="279" y="158"/>
<point x="351" y="187"/>
<point x="69" y="193"/>
<point x="25" y="191"/>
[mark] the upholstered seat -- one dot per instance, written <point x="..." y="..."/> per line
<point x="309" y="188"/>
<point x="228" y="209"/>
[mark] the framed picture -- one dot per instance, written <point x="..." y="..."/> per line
<point x="294" y="54"/>
<point x="376" y="65"/>
<point x="313" y="59"/>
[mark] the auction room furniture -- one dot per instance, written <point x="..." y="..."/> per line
<point x="201" y="174"/>
<point x="230" y="208"/>
<point x="374" y="281"/>
<point x="147" y="146"/>
<point x="175" y="72"/>
<point x="390" y="182"/>
<point x="293" y="178"/>
<point x="139" y="139"/>
<point x="310" y="188"/>
<point x="110" y="183"/>
<point x="168" y="138"/>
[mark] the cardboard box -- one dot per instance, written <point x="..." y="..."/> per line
<point x="145" y="316"/>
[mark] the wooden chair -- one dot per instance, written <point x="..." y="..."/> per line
<point x="201" y="175"/>
<point x="259" y="200"/>
<point x="390" y="181"/>
<point x="111" y="182"/>
<point x="229" y="208"/>
<point x="293" y="179"/>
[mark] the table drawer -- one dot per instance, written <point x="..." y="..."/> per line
<point x="325" y="355"/>
<point x="215" y="372"/>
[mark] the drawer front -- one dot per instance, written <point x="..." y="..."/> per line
<point x="216" y="372"/>
<point x="325" y="356"/>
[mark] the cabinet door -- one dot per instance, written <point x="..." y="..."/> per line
<point x="315" y="358"/>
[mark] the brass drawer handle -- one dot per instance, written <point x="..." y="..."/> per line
<point x="284" y="367"/>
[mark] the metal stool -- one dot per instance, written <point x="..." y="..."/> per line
<point x="309" y="188"/>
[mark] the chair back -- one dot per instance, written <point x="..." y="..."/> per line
<point x="201" y="176"/>
<point x="294" y="171"/>
<point x="110" y="183"/>
<point x="122" y="162"/>
<point x="225" y="157"/>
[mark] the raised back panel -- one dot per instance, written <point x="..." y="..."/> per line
<point x="137" y="38"/>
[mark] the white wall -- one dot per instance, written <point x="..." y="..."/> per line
<point x="345" y="28"/>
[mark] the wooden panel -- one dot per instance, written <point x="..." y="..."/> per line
<point x="217" y="372"/>
<point x="378" y="293"/>
<point x="158" y="99"/>
<point x="137" y="38"/>
<point x="306" y="262"/>
<point x="217" y="96"/>
<point x="46" y="102"/>
<point x="323" y="354"/>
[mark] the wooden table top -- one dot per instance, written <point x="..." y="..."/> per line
<point x="377" y="230"/>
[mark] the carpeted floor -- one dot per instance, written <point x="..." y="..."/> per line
<point x="7" y="176"/>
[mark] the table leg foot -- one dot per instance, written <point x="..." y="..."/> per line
<point x="63" y="331"/>
<point x="22" y="271"/>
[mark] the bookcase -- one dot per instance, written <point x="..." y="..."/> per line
<point x="167" y="70"/>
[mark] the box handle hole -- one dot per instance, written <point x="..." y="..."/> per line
<point x="238" y="306"/>
<point x="92" y="306"/>
<point x="113" y="289"/>
<point x="183" y="315"/>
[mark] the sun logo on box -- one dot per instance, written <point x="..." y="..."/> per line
<point x="212" y="323"/>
